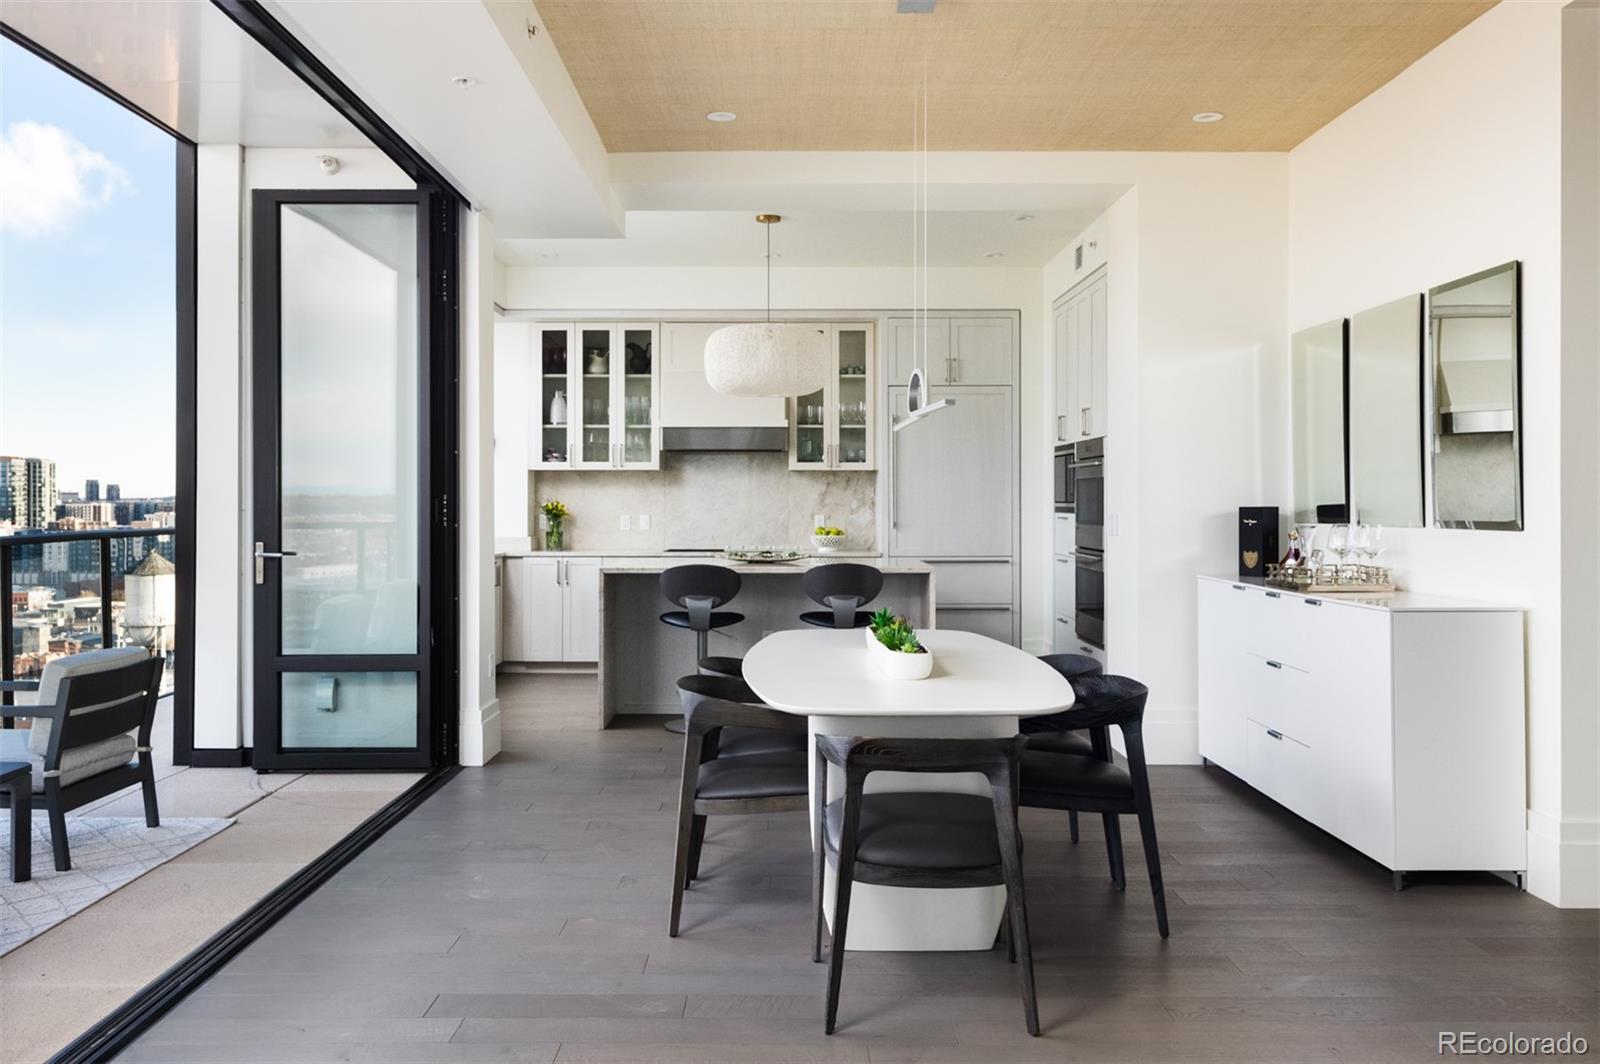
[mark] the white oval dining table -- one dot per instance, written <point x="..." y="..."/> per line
<point x="980" y="688"/>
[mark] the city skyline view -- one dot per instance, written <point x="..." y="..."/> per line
<point x="87" y="282"/>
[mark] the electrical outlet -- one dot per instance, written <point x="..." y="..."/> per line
<point x="644" y="522"/>
<point x="819" y="520"/>
<point x="625" y="522"/>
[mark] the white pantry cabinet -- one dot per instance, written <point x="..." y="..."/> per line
<point x="1080" y="343"/>
<point x="551" y="609"/>
<point x="973" y="350"/>
<point x="1395" y="723"/>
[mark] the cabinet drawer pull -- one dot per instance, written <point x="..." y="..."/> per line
<point x="1240" y="587"/>
<point x="1274" y="594"/>
<point x="1275" y="734"/>
<point x="1274" y="664"/>
<point x="1312" y="602"/>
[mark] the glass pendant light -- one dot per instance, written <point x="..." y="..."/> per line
<point x="767" y="358"/>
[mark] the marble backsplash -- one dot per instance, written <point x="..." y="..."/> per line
<point x="708" y="500"/>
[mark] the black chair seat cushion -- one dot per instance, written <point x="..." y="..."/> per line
<point x="922" y="829"/>
<point x="742" y="742"/>
<point x="1061" y="742"/>
<point x="1072" y="776"/>
<point x="775" y="775"/>
<point x="722" y="666"/>
<point x="719" y="618"/>
<point x="824" y="618"/>
<point x="724" y="688"/>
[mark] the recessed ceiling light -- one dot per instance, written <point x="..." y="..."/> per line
<point x="464" y="81"/>
<point x="994" y="255"/>
<point x="720" y="116"/>
<point x="1024" y="218"/>
<point x="1207" y="117"/>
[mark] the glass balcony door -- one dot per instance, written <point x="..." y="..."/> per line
<point x="343" y="529"/>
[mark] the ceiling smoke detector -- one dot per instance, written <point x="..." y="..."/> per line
<point x="329" y="164"/>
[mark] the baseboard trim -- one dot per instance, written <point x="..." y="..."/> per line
<point x="213" y="757"/>
<point x="1564" y="860"/>
<point x="133" y="1017"/>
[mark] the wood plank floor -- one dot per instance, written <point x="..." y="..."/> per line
<point x="520" y="915"/>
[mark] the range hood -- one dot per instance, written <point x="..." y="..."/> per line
<point x="714" y="438"/>
<point x="696" y="417"/>
<point x="1477" y="382"/>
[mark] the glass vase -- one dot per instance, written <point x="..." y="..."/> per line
<point x="552" y="535"/>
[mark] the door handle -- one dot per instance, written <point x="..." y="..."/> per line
<point x="952" y="369"/>
<point x="1275" y="734"/>
<point x="1083" y="421"/>
<point x="1274" y="664"/>
<point x="262" y="554"/>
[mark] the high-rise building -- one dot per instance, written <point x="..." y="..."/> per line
<point x="27" y="491"/>
<point x="113" y="493"/>
<point x="91" y="491"/>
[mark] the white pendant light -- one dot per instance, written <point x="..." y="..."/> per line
<point x="767" y="358"/>
<point x="917" y="404"/>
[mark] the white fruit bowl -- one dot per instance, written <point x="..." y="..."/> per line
<point x="827" y="544"/>
<point x="900" y="666"/>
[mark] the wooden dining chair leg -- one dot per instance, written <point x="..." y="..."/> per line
<point x="1017" y="913"/>
<point x="680" y="868"/>
<point x="1072" y="821"/>
<point x="1133" y="738"/>
<point x="846" y="871"/>
<point x="1113" y="823"/>
<point x="697" y="838"/>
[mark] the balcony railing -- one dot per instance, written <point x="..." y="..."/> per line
<point x="48" y="562"/>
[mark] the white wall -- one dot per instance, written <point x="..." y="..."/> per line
<point x="479" y="731"/>
<point x="1453" y="167"/>
<point x="224" y="570"/>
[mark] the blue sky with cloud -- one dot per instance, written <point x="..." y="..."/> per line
<point x="87" y="290"/>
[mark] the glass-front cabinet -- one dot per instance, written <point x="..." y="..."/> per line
<point x="833" y="428"/>
<point x="599" y="385"/>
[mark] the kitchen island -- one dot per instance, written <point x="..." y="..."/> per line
<point x="641" y="658"/>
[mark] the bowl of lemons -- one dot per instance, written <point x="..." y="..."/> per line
<point x="827" y="539"/>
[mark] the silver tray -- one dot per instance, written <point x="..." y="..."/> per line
<point x="763" y="554"/>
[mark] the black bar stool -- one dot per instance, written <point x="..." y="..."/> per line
<point x="700" y="589"/>
<point x="843" y="587"/>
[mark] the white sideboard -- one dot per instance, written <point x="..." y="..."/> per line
<point x="1394" y="722"/>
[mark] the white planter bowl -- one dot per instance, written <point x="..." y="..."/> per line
<point x="898" y="666"/>
<point x="827" y="544"/>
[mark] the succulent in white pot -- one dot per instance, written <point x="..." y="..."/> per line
<point x="895" y="649"/>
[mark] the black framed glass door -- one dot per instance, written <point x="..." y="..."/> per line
<point x="345" y="511"/>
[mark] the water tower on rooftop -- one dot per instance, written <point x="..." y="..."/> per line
<point x="150" y="604"/>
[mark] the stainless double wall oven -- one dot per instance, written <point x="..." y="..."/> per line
<point x="1088" y="469"/>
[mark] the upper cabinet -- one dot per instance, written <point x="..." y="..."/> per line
<point x="834" y="427"/>
<point x="596" y="397"/>
<point x="1080" y="347"/>
<point x="978" y="350"/>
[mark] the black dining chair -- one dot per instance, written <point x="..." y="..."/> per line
<point x="699" y="590"/>
<point x="717" y="783"/>
<point x="843" y="587"/>
<point x="1096" y="784"/>
<point x="734" y="741"/>
<point x="1061" y="733"/>
<point x="918" y="839"/>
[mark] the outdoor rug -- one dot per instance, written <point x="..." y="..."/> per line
<point x="107" y="853"/>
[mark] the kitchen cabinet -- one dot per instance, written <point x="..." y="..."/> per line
<point x="595" y="395"/>
<point x="551" y="609"/>
<point x="970" y="350"/>
<point x="1080" y="347"/>
<point x="952" y="481"/>
<point x="835" y="427"/>
<point x="1395" y="725"/>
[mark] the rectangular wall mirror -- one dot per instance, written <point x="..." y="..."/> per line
<point x="1317" y="412"/>
<point x="1386" y="414"/>
<point x="1476" y="444"/>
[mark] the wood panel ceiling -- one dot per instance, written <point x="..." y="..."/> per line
<point x="1005" y="75"/>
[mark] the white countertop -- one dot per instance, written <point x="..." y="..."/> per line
<point x="688" y="554"/>
<point x="1394" y="601"/>
<point x="615" y="565"/>
<point x="827" y="672"/>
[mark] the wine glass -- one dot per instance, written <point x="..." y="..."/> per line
<point x="1339" y="545"/>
